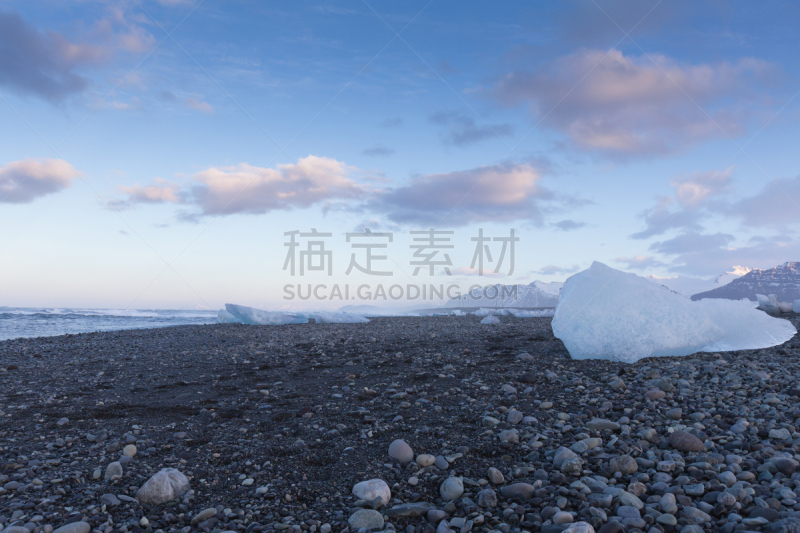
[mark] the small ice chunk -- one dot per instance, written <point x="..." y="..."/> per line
<point x="511" y="311"/>
<point x="258" y="317"/>
<point x="491" y="319"/>
<point x="768" y="304"/>
<point x="796" y="306"/>
<point x="534" y="313"/>
<point x="224" y="317"/>
<point x="604" y="313"/>
<point x="326" y="317"/>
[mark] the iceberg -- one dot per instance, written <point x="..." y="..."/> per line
<point x="491" y="319"/>
<point x="796" y="306"/>
<point x="768" y="304"/>
<point x="258" y="317"/>
<point x="224" y="317"/>
<point x="604" y="313"/>
<point x="240" y="314"/>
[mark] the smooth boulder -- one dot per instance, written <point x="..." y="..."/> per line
<point x="164" y="486"/>
<point x="374" y="488"/>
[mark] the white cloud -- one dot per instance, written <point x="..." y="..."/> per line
<point x="706" y="255"/>
<point x="497" y="193"/>
<point x="199" y="105"/>
<point x="493" y="193"/>
<point x="639" y="262"/>
<point x="553" y="270"/>
<point x="43" y="64"/>
<point x="466" y="271"/>
<point x="691" y="242"/>
<point x="695" y="188"/>
<point x="568" y="225"/>
<point x="24" y="181"/>
<point x="245" y="188"/>
<point x="463" y="130"/>
<point x="688" y="207"/>
<point x="160" y="192"/>
<point x="629" y="105"/>
<point x="777" y="204"/>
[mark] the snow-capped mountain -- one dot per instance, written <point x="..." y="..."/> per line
<point x="782" y="280"/>
<point x="536" y="294"/>
<point x="689" y="286"/>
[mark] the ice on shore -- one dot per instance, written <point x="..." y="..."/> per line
<point x="483" y="311"/>
<point x="224" y="317"/>
<point x="325" y="317"/>
<point x="519" y="313"/>
<point x="745" y="327"/>
<point x="534" y="313"/>
<point x="491" y="319"/>
<point x="604" y="313"/>
<point x="770" y="304"/>
<point x="259" y="317"/>
<point x="240" y="314"/>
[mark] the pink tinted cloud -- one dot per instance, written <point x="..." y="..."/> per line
<point x="498" y="192"/>
<point x="24" y="181"/>
<point x="632" y="105"/>
<point x="246" y="188"/>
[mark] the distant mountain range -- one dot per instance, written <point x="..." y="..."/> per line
<point x="691" y="286"/>
<point x="784" y="281"/>
<point x="536" y="294"/>
<point x="739" y="282"/>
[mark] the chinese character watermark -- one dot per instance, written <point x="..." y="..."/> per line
<point x="314" y="250"/>
<point x="482" y="249"/>
<point x="368" y="247"/>
<point x="426" y="254"/>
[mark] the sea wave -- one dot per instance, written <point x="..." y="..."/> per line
<point x="16" y="322"/>
<point x="136" y="313"/>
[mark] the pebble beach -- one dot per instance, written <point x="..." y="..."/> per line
<point x="414" y="424"/>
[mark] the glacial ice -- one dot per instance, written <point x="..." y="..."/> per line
<point x="224" y="317"/>
<point x="491" y="319"/>
<point x="519" y="313"/>
<point x="796" y="306"/>
<point x="604" y="313"/>
<point x="484" y="311"/>
<point x="326" y="317"/>
<point x="534" y="313"/>
<point x="258" y="317"/>
<point x="239" y="314"/>
<point x="745" y="327"/>
<point x="770" y="304"/>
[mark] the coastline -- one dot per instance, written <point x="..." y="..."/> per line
<point x="307" y="411"/>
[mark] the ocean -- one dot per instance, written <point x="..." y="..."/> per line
<point x="16" y="322"/>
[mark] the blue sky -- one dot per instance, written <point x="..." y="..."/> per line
<point x="154" y="153"/>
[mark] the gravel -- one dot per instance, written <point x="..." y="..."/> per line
<point x="271" y="429"/>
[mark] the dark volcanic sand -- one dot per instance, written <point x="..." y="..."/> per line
<point x="307" y="411"/>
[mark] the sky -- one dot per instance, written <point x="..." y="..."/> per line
<point x="164" y="153"/>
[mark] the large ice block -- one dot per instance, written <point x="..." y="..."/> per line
<point x="604" y="313"/>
